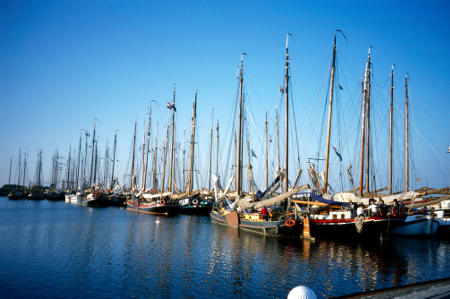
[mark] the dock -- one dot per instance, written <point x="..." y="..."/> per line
<point x="439" y="288"/>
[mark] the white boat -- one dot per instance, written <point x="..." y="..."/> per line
<point x="442" y="215"/>
<point x="76" y="198"/>
<point x="417" y="225"/>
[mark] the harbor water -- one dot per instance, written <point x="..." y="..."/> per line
<point x="54" y="249"/>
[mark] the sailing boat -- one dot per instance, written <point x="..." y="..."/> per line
<point x="19" y="191"/>
<point x="193" y="203"/>
<point x="415" y="224"/>
<point x="95" y="195"/>
<point x="239" y="214"/>
<point x="153" y="202"/>
<point x="36" y="192"/>
<point x="329" y="216"/>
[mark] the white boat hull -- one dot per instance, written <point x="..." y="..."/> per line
<point x="417" y="225"/>
<point x="74" y="198"/>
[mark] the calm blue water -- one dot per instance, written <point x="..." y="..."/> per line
<point x="54" y="249"/>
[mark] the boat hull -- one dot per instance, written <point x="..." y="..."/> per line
<point x="96" y="200"/>
<point x="17" y="195"/>
<point x="153" y="208"/>
<point x="36" y="196"/>
<point x="195" y="210"/>
<point x="195" y="206"/>
<point x="417" y="225"/>
<point x="265" y="227"/>
<point x="364" y="227"/>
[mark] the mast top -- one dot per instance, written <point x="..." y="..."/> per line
<point x="174" y="91"/>
<point x="287" y="41"/>
<point x="242" y="59"/>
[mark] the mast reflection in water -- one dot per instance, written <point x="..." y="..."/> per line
<point x="53" y="249"/>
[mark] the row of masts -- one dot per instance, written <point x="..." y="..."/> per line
<point x="78" y="172"/>
<point x="21" y="180"/>
<point x="365" y="128"/>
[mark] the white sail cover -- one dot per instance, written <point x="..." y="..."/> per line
<point x="155" y="196"/>
<point x="388" y="199"/>
<point x="244" y="204"/>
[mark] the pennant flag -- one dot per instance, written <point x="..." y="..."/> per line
<point x="337" y="153"/>
<point x="281" y="89"/>
<point x="340" y="87"/>
<point x="254" y="155"/>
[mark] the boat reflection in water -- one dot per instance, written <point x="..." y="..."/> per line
<point x="116" y="253"/>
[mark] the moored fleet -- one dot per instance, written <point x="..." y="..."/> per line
<point x="310" y="210"/>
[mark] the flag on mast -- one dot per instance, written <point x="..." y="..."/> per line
<point x="337" y="153"/>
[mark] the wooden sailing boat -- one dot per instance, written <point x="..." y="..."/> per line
<point x="157" y="203"/>
<point x="96" y="196"/>
<point x="193" y="202"/>
<point x="275" y="223"/>
<point x="415" y="224"/>
<point x="341" y="219"/>
<point x="36" y="191"/>
<point x="19" y="190"/>
<point x="116" y="195"/>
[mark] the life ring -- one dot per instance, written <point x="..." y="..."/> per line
<point x="194" y="201"/>
<point x="290" y="223"/>
<point x="162" y="202"/>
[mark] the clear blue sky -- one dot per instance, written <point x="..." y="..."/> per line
<point x="64" y="63"/>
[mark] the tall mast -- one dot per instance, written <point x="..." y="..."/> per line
<point x="330" y="109"/>
<point x="24" y="168"/>
<point x="92" y="155"/>
<point x="368" y="131"/>
<point x="52" y="183"/>
<point x="277" y="126"/>
<point x="10" y="166"/>
<point x="406" y="136"/>
<point x="286" y="93"/>
<point x="114" y="160"/>
<point x="217" y="148"/>
<point x="249" y="165"/>
<point x="133" y="156"/>
<point x="172" y="142"/>
<point x="85" y="155"/>
<point x="166" y="141"/>
<point x="96" y="161"/>
<point x="391" y="131"/>
<point x="56" y="164"/>
<point x="267" y="152"/>
<point x="155" y="161"/>
<point x="20" y="159"/>
<point x="363" y="123"/>
<point x="210" y="148"/>
<point x="191" y="159"/>
<point x="78" y="163"/>
<point x="68" y="168"/>
<point x="144" y="185"/>
<point x="143" y="157"/>
<point x="184" y="161"/>
<point x="241" y="120"/>
<point x="106" y="166"/>
<point x="39" y="168"/>
<point x="235" y="161"/>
